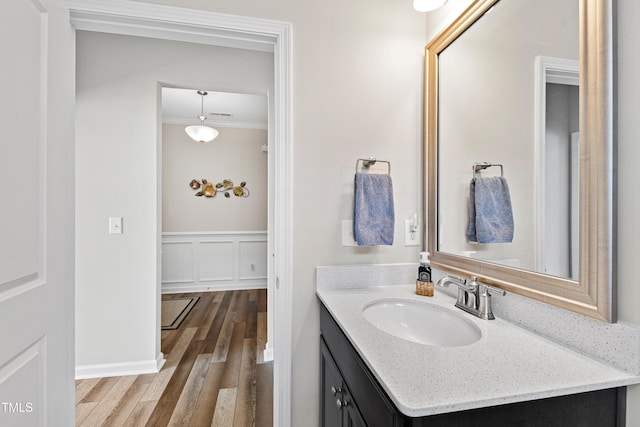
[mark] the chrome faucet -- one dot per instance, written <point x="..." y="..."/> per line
<point x="473" y="297"/>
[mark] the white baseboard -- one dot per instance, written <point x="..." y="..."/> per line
<point x="267" y="354"/>
<point x="168" y="288"/>
<point x="120" y="369"/>
<point x="160" y="361"/>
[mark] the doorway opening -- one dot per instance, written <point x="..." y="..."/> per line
<point x="215" y="195"/>
<point x="171" y="23"/>
<point x="557" y="168"/>
<point x="214" y="256"/>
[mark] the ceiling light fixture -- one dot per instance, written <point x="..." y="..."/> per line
<point x="201" y="133"/>
<point x="427" y="5"/>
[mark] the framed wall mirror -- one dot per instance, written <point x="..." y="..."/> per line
<point x="523" y="90"/>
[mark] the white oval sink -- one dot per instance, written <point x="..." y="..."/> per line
<point x="422" y="323"/>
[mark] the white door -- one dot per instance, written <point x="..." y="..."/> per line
<point x="36" y="214"/>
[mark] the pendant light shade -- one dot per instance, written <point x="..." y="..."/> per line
<point x="427" y="5"/>
<point x="201" y="133"/>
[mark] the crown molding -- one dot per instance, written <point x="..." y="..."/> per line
<point x="215" y="123"/>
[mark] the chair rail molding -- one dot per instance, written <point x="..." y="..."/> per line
<point x="205" y="27"/>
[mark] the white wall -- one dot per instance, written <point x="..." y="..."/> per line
<point x="628" y="129"/>
<point x="236" y="155"/>
<point x="357" y="92"/>
<point x="118" y="174"/>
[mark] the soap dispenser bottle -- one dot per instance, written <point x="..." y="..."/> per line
<point x="424" y="284"/>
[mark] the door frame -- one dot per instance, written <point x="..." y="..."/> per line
<point x="198" y="26"/>
<point x="547" y="70"/>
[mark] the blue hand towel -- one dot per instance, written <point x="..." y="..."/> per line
<point x="374" y="216"/>
<point x="490" y="213"/>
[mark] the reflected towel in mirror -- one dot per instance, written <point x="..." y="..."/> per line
<point x="373" y="222"/>
<point x="490" y="213"/>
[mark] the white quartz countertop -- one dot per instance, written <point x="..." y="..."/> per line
<point x="508" y="364"/>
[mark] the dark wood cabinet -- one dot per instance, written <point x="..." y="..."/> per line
<point x="331" y="383"/>
<point x="338" y="407"/>
<point x="352" y="417"/>
<point x="351" y="396"/>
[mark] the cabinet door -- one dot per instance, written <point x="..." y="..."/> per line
<point x="331" y="394"/>
<point x="373" y="404"/>
<point x="352" y="417"/>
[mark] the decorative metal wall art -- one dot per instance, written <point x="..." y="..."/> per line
<point x="207" y="189"/>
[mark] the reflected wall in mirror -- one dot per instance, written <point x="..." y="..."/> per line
<point x="486" y="67"/>
<point x="527" y="85"/>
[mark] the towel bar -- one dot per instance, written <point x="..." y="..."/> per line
<point x="366" y="163"/>
<point x="477" y="167"/>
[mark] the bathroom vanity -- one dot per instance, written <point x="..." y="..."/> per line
<point x="509" y="377"/>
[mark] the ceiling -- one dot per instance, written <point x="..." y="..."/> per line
<point x="222" y="109"/>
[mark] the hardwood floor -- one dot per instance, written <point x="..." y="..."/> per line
<point x="214" y="373"/>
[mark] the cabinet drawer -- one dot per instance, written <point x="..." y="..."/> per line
<point x="368" y="396"/>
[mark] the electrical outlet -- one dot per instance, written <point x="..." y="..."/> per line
<point x="348" y="238"/>
<point x="411" y="238"/>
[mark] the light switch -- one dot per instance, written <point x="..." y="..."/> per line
<point x="115" y="225"/>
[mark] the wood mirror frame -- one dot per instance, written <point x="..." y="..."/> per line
<point x="594" y="293"/>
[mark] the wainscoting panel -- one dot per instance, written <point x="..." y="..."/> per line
<point x="180" y="269"/>
<point x="250" y="254"/>
<point x="214" y="261"/>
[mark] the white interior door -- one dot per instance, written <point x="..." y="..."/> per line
<point x="36" y="214"/>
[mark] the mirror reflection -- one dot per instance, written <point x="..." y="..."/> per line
<point x="508" y="138"/>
